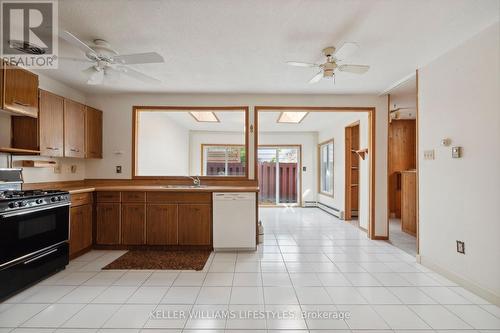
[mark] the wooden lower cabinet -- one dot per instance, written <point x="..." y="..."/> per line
<point x="80" y="236"/>
<point x="133" y="223"/>
<point x="161" y="225"/>
<point x="108" y="223"/>
<point x="194" y="224"/>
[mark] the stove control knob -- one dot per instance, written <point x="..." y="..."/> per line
<point x="53" y="199"/>
<point x="13" y="205"/>
<point x="39" y="201"/>
<point x="60" y="198"/>
<point x="22" y="203"/>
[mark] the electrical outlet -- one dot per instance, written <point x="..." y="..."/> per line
<point x="57" y="168"/>
<point x="73" y="168"/>
<point x="460" y="247"/>
<point x="118" y="169"/>
<point x="429" y="154"/>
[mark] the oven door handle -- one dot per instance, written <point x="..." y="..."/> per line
<point x="32" y="210"/>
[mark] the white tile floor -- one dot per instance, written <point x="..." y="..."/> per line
<point x="309" y="262"/>
<point x="401" y="239"/>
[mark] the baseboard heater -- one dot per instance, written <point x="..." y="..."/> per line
<point x="326" y="208"/>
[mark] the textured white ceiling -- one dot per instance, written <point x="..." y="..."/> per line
<point x="242" y="46"/>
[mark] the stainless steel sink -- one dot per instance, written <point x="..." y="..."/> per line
<point x="184" y="186"/>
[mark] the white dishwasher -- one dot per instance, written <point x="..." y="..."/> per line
<point x="234" y="221"/>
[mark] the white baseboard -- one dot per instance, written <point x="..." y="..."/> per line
<point x="471" y="286"/>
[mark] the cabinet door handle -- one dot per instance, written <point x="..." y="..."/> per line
<point x="75" y="150"/>
<point x="52" y="148"/>
<point x="20" y="103"/>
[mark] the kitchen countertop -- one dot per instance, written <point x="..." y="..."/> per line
<point x="122" y="188"/>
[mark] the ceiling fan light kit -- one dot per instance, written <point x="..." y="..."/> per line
<point x="108" y="64"/>
<point x="331" y="66"/>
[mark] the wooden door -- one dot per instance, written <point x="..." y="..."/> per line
<point x="51" y="124"/>
<point x="402" y="156"/>
<point x="74" y="129"/>
<point x="20" y="91"/>
<point x="195" y="224"/>
<point x="93" y="133"/>
<point x="133" y="223"/>
<point x="80" y="228"/>
<point x="108" y="223"/>
<point x="161" y="225"/>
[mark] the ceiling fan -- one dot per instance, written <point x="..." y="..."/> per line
<point x="107" y="64"/>
<point x="333" y="56"/>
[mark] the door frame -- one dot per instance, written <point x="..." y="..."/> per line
<point x="371" y="147"/>
<point x="347" y="179"/>
<point x="299" y="175"/>
<point x="416" y="164"/>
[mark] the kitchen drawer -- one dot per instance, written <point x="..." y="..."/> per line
<point x="179" y="197"/>
<point x="108" y="196"/>
<point x="79" y="199"/>
<point x="134" y="196"/>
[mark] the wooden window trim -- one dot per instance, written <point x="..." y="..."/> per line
<point x="136" y="109"/>
<point x="203" y="145"/>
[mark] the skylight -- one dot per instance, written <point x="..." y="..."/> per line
<point x="291" y="117"/>
<point x="205" y="116"/>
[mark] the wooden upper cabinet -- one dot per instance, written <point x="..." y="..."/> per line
<point x="93" y="133"/>
<point x="51" y="124"/>
<point x="74" y="129"/>
<point x="19" y="91"/>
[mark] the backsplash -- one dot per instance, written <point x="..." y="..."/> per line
<point x="41" y="175"/>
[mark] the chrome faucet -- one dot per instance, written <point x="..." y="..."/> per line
<point x="196" y="180"/>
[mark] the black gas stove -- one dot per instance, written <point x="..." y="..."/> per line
<point x="34" y="233"/>
<point x="17" y="199"/>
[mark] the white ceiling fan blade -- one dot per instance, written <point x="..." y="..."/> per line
<point x="73" y="40"/>
<point x="139" y="58"/>
<point x="356" y="69"/>
<point x="316" y="78"/>
<point x="74" y="59"/>
<point x="345" y="51"/>
<point x="301" y="64"/>
<point x="139" y="76"/>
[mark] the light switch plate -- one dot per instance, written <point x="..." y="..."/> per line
<point x="429" y="154"/>
<point x="460" y="247"/>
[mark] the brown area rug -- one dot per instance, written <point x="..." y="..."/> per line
<point x="146" y="259"/>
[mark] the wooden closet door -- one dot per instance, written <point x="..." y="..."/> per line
<point x="51" y="124"/>
<point x="74" y="129"/>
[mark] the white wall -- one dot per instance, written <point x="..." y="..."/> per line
<point x="309" y="142"/>
<point x="337" y="132"/>
<point x="460" y="198"/>
<point x="197" y="138"/>
<point x="162" y="146"/>
<point x="36" y="175"/>
<point x="118" y="129"/>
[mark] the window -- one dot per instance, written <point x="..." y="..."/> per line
<point x="326" y="167"/>
<point x="223" y="160"/>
